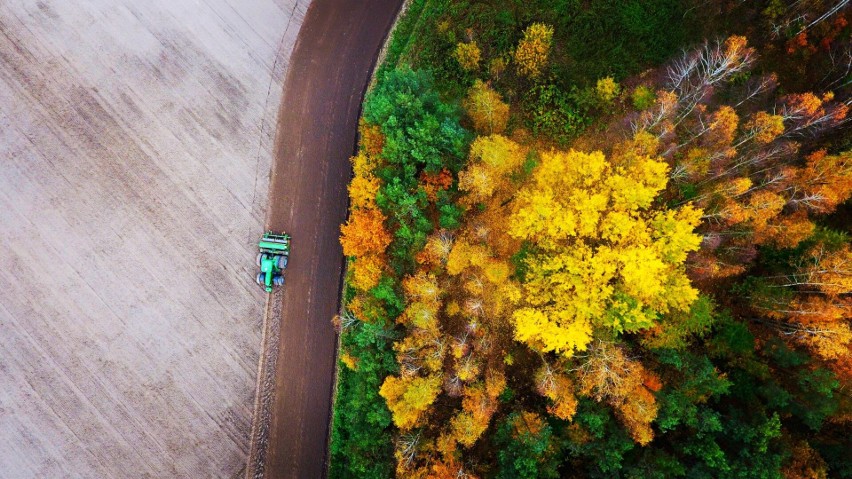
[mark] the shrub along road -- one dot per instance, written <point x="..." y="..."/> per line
<point x="317" y="128"/>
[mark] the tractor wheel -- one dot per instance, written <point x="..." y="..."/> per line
<point x="281" y="262"/>
<point x="261" y="278"/>
<point x="259" y="257"/>
<point x="278" y="280"/>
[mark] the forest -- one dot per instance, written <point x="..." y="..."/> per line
<point x="604" y="239"/>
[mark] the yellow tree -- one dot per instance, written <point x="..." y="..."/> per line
<point x="532" y="51"/>
<point x="492" y="160"/>
<point x="488" y="183"/>
<point x="607" y="259"/>
<point x="366" y="271"/>
<point x="372" y="141"/>
<point x="409" y="398"/>
<point x="486" y="109"/>
<point x="606" y="90"/>
<point x="764" y="127"/>
<point x="362" y="191"/>
<point x="468" y="55"/>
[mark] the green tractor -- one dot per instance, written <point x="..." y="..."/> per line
<point x="272" y="259"/>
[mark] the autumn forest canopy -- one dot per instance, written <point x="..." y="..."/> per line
<point x="602" y="239"/>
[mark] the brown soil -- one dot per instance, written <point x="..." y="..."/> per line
<point x="317" y="128"/>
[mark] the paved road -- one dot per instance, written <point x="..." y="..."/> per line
<point x="329" y="70"/>
<point x="135" y="141"/>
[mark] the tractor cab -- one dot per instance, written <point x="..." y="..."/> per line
<point x="274" y="251"/>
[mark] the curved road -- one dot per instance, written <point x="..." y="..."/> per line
<point x="317" y="128"/>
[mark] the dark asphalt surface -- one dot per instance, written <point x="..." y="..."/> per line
<point x="317" y="129"/>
